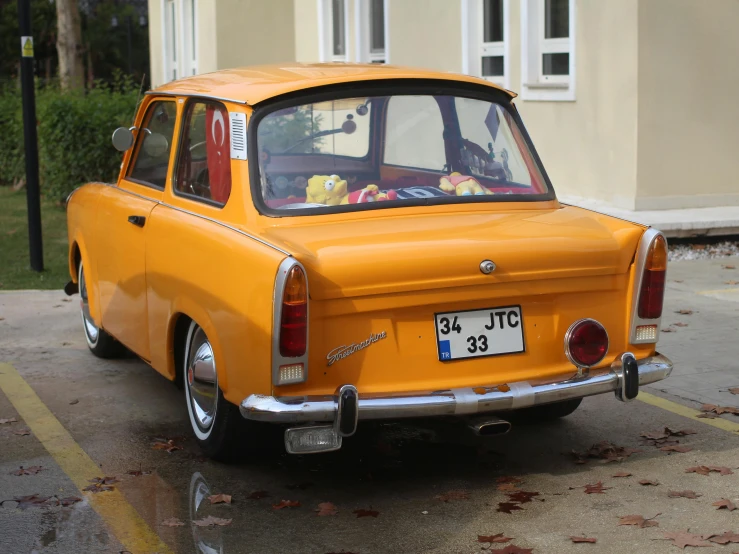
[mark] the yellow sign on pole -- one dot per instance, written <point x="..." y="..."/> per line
<point x="27" y="47"/>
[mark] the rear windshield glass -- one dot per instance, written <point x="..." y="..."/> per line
<point x="393" y="149"/>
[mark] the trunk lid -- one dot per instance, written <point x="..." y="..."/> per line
<point x="386" y="254"/>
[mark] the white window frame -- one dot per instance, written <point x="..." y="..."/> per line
<point x="363" y="33"/>
<point x="189" y="29"/>
<point x="170" y="44"/>
<point x="534" y="84"/>
<point x="473" y="47"/>
<point x="326" y="30"/>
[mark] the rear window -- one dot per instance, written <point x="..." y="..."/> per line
<point x="329" y="155"/>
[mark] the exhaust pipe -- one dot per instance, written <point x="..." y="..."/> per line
<point x="490" y="426"/>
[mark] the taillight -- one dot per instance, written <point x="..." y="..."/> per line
<point x="586" y="343"/>
<point x="294" y="321"/>
<point x="652" y="290"/>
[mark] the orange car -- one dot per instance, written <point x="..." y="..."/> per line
<point x="312" y="245"/>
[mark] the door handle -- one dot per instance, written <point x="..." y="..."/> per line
<point x="137" y="220"/>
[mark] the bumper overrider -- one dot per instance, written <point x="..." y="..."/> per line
<point x="347" y="406"/>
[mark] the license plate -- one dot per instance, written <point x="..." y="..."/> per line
<point x="479" y="333"/>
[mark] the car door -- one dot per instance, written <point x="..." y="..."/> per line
<point x="122" y="229"/>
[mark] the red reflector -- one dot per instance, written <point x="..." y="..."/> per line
<point x="651" y="295"/>
<point x="294" y="322"/>
<point x="586" y="343"/>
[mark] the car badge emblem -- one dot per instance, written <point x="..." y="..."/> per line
<point x="341" y="352"/>
<point x="487" y="267"/>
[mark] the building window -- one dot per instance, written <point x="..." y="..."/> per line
<point x="333" y="21"/>
<point x="485" y="39"/>
<point x="180" y="38"/>
<point x="170" y="41"/>
<point x="548" y="49"/>
<point x="377" y="31"/>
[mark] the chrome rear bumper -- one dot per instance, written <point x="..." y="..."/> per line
<point x="464" y="401"/>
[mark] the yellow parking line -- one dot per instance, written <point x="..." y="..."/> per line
<point x="684" y="411"/>
<point x="123" y="520"/>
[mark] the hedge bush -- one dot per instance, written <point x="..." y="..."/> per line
<point x="74" y="130"/>
<point x="12" y="167"/>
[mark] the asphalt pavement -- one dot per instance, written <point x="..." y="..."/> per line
<point x="428" y="487"/>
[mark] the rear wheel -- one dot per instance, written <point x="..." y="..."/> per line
<point x="216" y="423"/>
<point x="549" y="412"/>
<point x="100" y="343"/>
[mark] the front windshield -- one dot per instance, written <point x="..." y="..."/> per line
<point x="393" y="149"/>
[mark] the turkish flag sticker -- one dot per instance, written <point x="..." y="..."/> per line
<point x="218" y="150"/>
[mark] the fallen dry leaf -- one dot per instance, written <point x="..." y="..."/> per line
<point x="30" y="501"/>
<point x="172" y="522"/>
<point x="366" y="513"/>
<point x="680" y="324"/>
<point x="508" y="507"/>
<point x="639" y="521"/>
<point x="166" y="445"/>
<point x="220" y="499"/>
<point x="675" y="448"/>
<point x="286" y="504"/>
<point x="492" y="539"/>
<point x="256" y="495"/>
<point x="327" y="509"/>
<point x="683" y="494"/>
<point x="684" y="312"/>
<point x="137" y="473"/>
<point x="707" y="416"/>
<point x="734" y="391"/>
<point x="724" y="504"/>
<point x="728" y="266"/>
<point x="606" y="451"/>
<point x="8" y="420"/>
<point x="667" y="330"/>
<point x="682" y="539"/>
<point x="507" y="487"/>
<point x="726" y="538"/>
<point x="73" y="402"/>
<point x="69" y="500"/>
<point x="719" y="409"/>
<point x="101" y="484"/>
<point x="621" y="474"/>
<point x="511" y="549"/>
<point x="211" y="521"/>
<point x="22" y="432"/>
<point x="583" y="539"/>
<point x="33" y="470"/>
<point x="458" y="494"/>
<point x="598" y="488"/>
<point x="731" y="282"/>
<point x="521" y="497"/>
<point x="648" y="482"/>
<point x="508" y="479"/>
<point x="705" y="470"/>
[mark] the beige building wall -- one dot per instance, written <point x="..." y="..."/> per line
<point x="688" y="125"/>
<point x="589" y="146"/>
<point x="251" y="32"/>
<point x="306" y="34"/>
<point x="156" y="46"/>
<point x="426" y="34"/>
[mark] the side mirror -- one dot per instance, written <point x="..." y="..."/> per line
<point x="122" y="139"/>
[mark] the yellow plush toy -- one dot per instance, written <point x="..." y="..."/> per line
<point x="325" y="189"/>
<point x="463" y="185"/>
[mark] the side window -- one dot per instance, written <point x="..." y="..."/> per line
<point x="414" y="133"/>
<point x="154" y="144"/>
<point x="204" y="163"/>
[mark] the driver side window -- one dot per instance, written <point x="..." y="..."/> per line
<point x="204" y="163"/>
<point x="155" y="144"/>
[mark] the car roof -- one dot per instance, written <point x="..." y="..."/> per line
<point x="254" y="84"/>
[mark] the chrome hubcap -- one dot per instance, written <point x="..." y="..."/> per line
<point x="202" y="380"/>
<point x="91" y="329"/>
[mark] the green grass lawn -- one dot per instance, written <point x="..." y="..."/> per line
<point x="15" y="268"/>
